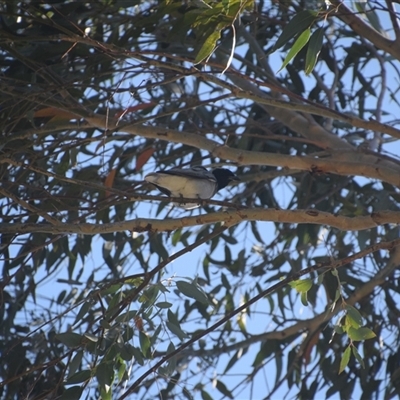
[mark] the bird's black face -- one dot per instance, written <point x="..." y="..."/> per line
<point x="224" y="177"/>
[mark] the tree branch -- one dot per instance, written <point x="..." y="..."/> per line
<point x="257" y="95"/>
<point x="364" y="30"/>
<point x="30" y="207"/>
<point x="313" y="323"/>
<point x="340" y="162"/>
<point x="230" y="217"/>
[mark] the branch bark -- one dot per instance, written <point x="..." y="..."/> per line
<point x="364" y="30"/>
<point x="231" y="217"/>
<point x="339" y="161"/>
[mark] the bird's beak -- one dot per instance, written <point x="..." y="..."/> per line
<point x="234" y="178"/>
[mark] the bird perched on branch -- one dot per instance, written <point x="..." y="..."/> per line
<point x="191" y="183"/>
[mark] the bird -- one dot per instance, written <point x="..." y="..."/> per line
<point x="191" y="183"/>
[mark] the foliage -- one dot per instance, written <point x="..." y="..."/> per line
<point x="286" y="283"/>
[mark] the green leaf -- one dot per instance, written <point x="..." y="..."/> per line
<point x="127" y="316"/>
<point x="61" y="296"/>
<point x="358" y="334"/>
<point x="302" y="285"/>
<point x="79" y="377"/>
<point x="157" y="246"/>
<point x="111" y="289"/>
<point x="301" y="41"/>
<point x="86" y="306"/>
<point x="301" y="21"/>
<point x="303" y="298"/>
<point x="208" y="47"/>
<point x="338" y="329"/>
<point x="358" y="356"/>
<point x="145" y="344"/>
<point x="225" y="281"/>
<point x="155" y="334"/>
<point x="121" y="371"/>
<point x="106" y="393"/>
<point x="223" y="389"/>
<point x="233" y="360"/>
<point x="205" y="395"/>
<point x="345" y="359"/>
<point x="105" y="374"/>
<point x="75" y="363"/>
<point x="225" y="5"/>
<point x="163" y="304"/>
<point x="191" y="290"/>
<point x="353" y="317"/>
<point x="174" y="325"/>
<point x="137" y="354"/>
<point x="313" y="50"/>
<point x="72" y="393"/>
<point x="176" y="237"/>
<point x="172" y="318"/>
<point x="321" y="278"/>
<point x="176" y="330"/>
<point x="70" y="339"/>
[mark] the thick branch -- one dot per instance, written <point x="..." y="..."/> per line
<point x="229" y="217"/>
<point x="344" y="162"/>
<point x="364" y="30"/>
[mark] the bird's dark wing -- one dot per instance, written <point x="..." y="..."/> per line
<point x="194" y="172"/>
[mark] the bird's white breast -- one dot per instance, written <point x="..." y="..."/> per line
<point x="181" y="186"/>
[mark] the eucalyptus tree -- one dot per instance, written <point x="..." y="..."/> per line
<point x="285" y="282"/>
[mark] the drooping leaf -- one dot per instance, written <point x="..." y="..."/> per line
<point x="105" y="373"/>
<point x="223" y="389"/>
<point x="208" y="47"/>
<point x="313" y="50"/>
<point x="145" y="344"/>
<point x="345" y="359"/>
<point x="301" y="41"/>
<point x="191" y="290"/>
<point x="357" y="355"/>
<point x="354" y="317"/>
<point x="301" y="22"/>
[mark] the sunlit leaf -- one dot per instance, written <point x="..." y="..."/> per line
<point x="301" y="22"/>
<point x="357" y="356"/>
<point x="208" y="47"/>
<point x="345" y="359"/>
<point x="301" y="41"/>
<point x="363" y="333"/>
<point x="354" y="316"/>
<point x="302" y="285"/>
<point x="303" y="298"/>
